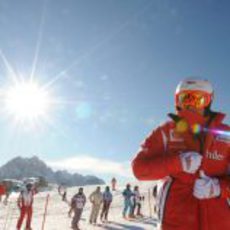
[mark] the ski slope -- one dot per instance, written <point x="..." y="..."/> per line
<point x="57" y="212"/>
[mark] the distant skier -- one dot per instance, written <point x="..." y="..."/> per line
<point x="192" y="152"/>
<point x="107" y="200"/>
<point x="155" y="191"/>
<point x="96" y="199"/>
<point x="25" y="204"/>
<point x="77" y="204"/>
<point x="137" y="198"/>
<point x="8" y="187"/>
<point x="114" y="183"/>
<point x="62" y="191"/>
<point x="155" y="198"/>
<point x="128" y="204"/>
<point x="64" y="195"/>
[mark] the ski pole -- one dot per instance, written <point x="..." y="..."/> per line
<point x="45" y="211"/>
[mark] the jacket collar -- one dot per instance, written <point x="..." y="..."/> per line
<point x="215" y="117"/>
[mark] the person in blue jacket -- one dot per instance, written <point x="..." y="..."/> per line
<point x="128" y="203"/>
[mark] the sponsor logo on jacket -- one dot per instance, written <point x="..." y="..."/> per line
<point x="215" y="156"/>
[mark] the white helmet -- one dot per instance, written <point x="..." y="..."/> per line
<point x="191" y="88"/>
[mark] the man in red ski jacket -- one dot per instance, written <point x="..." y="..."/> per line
<point x="25" y="204"/>
<point x="192" y="153"/>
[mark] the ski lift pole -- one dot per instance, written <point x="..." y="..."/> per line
<point x="45" y="212"/>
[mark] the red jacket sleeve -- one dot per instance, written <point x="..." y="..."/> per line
<point x="152" y="161"/>
<point x="225" y="181"/>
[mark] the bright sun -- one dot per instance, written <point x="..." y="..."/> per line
<point x="27" y="101"/>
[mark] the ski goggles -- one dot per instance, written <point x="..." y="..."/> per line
<point x="194" y="99"/>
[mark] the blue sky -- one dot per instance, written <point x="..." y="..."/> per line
<point x="114" y="65"/>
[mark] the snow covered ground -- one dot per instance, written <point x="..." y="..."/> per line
<point x="57" y="214"/>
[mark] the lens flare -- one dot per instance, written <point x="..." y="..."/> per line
<point x="223" y="133"/>
<point x="196" y="128"/>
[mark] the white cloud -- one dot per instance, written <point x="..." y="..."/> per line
<point x="93" y="165"/>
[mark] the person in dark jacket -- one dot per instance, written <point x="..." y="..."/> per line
<point x="77" y="204"/>
<point x="136" y="211"/>
<point x="107" y="200"/>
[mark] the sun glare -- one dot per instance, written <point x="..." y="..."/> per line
<point x="27" y="101"/>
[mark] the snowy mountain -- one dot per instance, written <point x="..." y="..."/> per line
<point x="19" y="168"/>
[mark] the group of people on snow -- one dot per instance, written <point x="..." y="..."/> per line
<point x="101" y="203"/>
<point x="132" y="202"/>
